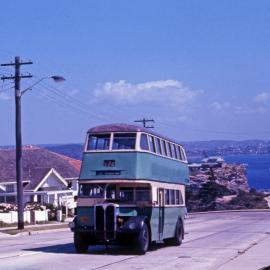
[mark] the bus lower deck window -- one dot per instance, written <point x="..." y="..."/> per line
<point x="172" y="195"/>
<point x="167" y="197"/>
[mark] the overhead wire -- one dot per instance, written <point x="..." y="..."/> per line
<point x="51" y="94"/>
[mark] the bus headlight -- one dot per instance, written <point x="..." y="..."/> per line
<point x="132" y="225"/>
<point x="71" y="225"/>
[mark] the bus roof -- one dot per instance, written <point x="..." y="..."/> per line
<point x="126" y="128"/>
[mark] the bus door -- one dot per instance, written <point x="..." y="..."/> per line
<point x="161" y="213"/>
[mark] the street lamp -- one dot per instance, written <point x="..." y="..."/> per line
<point x="55" y="78"/>
<point x="18" y="94"/>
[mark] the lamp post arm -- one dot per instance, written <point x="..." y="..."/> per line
<point x="30" y="87"/>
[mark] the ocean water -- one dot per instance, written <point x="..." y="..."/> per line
<point x="258" y="170"/>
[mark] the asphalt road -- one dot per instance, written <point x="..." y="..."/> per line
<point x="232" y="240"/>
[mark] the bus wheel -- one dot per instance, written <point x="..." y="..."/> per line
<point x="80" y="242"/>
<point x="179" y="234"/>
<point x="143" y="239"/>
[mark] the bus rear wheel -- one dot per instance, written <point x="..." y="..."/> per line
<point x="143" y="239"/>
<point x="80" y="242"/>
<point x="178" y="235"/>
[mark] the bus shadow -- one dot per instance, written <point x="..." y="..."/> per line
<point x="112" y="250"/>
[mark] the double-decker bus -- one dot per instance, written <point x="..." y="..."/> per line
<point x="131" y="188"/>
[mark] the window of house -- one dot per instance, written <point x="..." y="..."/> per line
<point x="152" y="144"/>
<point x="144" y="142"/>
<point x="99" y="142"/>
<point x="10" y="188"/>
<point x="159" y="151"/>
<point x="124" y="141"/>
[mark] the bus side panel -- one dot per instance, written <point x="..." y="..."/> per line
<point x="133" y="165"/>
<point x="161" y="169"/>
<point x="123" y="166"/>
<point x="171" y="216"/>
<point x="155" y="224"/>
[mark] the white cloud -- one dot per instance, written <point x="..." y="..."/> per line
<point x="262" y="97"/>
<point x="182" y="118"/>
<point x="220" y="105"/>
<point x="4" y="96"/>
<point x="167" y="92"/>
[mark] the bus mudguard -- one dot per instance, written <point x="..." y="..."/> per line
<point x="134" y="224"/>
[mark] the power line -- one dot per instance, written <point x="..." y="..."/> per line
<point x="145" y="121"/>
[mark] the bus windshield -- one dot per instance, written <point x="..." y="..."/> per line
<point x="92" y="190"/>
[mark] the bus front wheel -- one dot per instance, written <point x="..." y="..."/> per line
<point x="143" y="239"/>
<point x="80" y="243"/>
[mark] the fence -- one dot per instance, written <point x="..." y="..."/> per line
<point x="32" y="217"/>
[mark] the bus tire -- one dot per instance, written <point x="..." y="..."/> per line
<point x="80" y="242"/>
<point x="143" y="239"/>
<point x="178" y="235"/>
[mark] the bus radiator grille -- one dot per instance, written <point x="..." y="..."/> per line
<point x="105" y="222"/>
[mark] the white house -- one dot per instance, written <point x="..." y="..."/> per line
<point x="48" y="177"/>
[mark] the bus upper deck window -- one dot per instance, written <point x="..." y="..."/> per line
<point x="144" y="142"/>
<point x="163" y="146"/>
<point x="169" y="149"/>
<point x="157" y="140"/>
<point x="184" y="157"/>
<point x="99" y="142"/>
<point x="124" y="141"/>
<point x="179" y="152"/>
<point x="173" y="151"/>
<point x="152" y="144"/>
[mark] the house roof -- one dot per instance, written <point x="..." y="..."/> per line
<point x="37" y="162"/>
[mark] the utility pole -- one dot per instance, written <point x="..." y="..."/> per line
<point x="145" y="121"/>
<point x="17" y="79"/>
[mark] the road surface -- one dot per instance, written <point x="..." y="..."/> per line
<point x="231" y="240"/>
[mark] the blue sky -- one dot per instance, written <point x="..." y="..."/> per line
<point x="199" y="68"/>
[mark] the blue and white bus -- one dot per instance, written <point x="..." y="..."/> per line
<point x="131" y="188"/>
